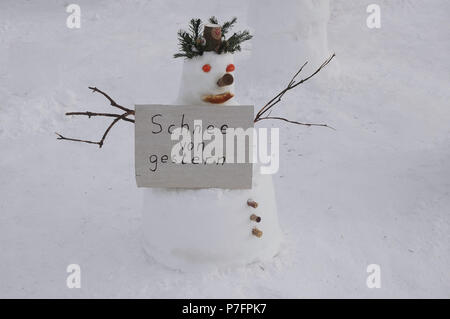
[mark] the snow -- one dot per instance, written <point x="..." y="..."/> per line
<point x="375" y="191"/>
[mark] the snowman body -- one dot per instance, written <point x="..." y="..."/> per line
<point x="194" y="229"/>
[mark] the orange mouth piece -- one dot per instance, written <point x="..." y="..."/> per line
<point x="218" y="98"/>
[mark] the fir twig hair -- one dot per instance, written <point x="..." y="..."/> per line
<point x="193" y="43"/>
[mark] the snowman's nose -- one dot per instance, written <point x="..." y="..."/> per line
<point x="226" y="79"/>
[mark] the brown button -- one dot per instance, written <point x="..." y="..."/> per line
<point x="252" y="203"/>
<point x="256" y="232"/>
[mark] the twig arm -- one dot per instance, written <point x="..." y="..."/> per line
<point x="99" y="143"/>
<point x="111" y="101"/>
<point x="268" y="107"/>
<point x="92" y="114"/>
<point x="294" y="122"/>
<point x="117" y="118"/>
<point x="110" y="127"/>
<point x="278" y="97"/>
<point x="60" y="137"/>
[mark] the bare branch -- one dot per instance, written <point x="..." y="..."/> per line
<point x="110" y="127"/>
<point x="298" y="72"/>
<point x="113" y="103"/>
<point x="91" y="114"/>
<point x="324" y="64"/>
<point x="117" y="118"/>
<point x="277" y="98"/>
<point x="268" y="107"/>
<point x="60" y="137"/>
<point x="294" y="122"/>
<point x="99" y="143"/>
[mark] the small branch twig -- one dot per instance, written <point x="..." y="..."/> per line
<point x="113" y="103"/>
<point x="99" y="143"/>
<point x="117" y="118"/>
<point x="294" y="122"/>
<point x="268" y="107"/>
<point x="91" y="114"/>
<point x="60" y="137"/>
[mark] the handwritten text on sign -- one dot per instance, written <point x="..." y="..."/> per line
<point x="180" y="146"/>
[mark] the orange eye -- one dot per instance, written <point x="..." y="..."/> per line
<point x="206" y="68"/>
<point x="230" y="68"/>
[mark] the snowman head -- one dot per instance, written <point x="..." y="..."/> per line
<point x="208" y="79"/>
<point x="208" y="69"/>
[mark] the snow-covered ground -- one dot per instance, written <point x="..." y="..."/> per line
<point x="375" y="191"/>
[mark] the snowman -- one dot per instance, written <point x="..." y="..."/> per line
<point x="194" y="229"/>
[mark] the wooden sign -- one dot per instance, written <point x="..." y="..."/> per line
<point x="180" y="146"/>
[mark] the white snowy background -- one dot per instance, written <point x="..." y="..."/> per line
<point x="375" y="191"/>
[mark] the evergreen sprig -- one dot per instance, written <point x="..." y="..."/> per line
<point x="188" y="42"/>
<point x="192" y="43"/>
<point x="228" y="25"/>
<point x="234" y="42"/>
<point x="213" y="20"/>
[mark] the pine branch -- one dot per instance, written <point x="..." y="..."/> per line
<point x="195" y="28"/>
<point x="233" y="44"/>
<point x="180" y="55"/>
<point x="192" y="44"/>
<point x="228" y="25"/>
<point x="213" y="20"/>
